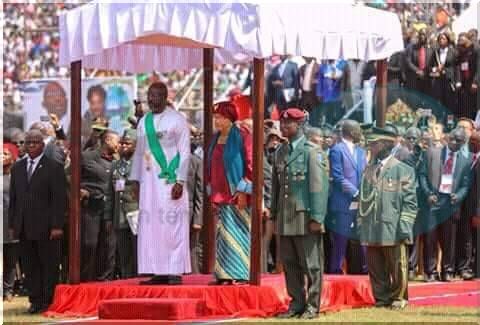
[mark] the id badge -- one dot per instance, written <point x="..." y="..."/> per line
<point x="446" y="184"/>
<point x="120" y="185"/>
<point x="464" y="66"/>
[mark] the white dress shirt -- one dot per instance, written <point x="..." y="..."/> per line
<point x="350" y="146"/>
<point x="35" y="162"/>
<point x="443" y="55"/>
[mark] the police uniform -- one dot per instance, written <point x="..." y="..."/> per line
<point x="299" y="197"/>
<point x="121" y="200"/>
<point x="387" y="212"/>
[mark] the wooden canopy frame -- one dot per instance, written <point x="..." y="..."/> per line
<point x="258" y="134"/>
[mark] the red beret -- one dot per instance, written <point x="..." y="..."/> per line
<point x="227" y="110"/>
<point x="10" y="147"/>
<point x="244" y="106"/>
<point x="293" y="114"/>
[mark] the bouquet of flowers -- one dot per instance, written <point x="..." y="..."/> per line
<point x="401" y="115"/>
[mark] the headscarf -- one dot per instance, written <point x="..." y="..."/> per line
<point x="226" y="109"/>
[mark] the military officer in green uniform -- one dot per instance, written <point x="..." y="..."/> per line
<point x="387" y="211"/>
<point x="121" y="200"/>
<point x="299" y="205"/>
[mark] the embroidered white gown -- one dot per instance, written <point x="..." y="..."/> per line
<point x="163" y="226"/>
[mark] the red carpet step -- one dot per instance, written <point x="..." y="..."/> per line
<point x="151" y="308"/>
<point x="268" y="299"/>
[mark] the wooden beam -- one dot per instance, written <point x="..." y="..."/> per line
<point x="208" y="217"/>
<point x="381" y="90"/>
<point x="75" y="152"/>
<point x="257" y="196"/>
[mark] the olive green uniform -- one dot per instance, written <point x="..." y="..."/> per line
<point x="120" y="200"/>
<point x="387" y="212"/>
<point x="299" y="196"/>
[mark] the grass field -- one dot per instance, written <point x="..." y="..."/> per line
<point x="14" y="312"/>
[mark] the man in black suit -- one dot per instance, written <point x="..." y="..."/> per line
<point x="445" y="178"/>
<point x="36" y="216"/>
<point x="283" y="84"/>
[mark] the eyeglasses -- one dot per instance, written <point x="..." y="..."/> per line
<point x="19" y="143"/>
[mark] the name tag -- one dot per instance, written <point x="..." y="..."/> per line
<point x="446" y="184"/>
<point x="464" y="66"/>
<point x="120" y="185"/>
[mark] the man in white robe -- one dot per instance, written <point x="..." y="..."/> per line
<point x="163" y="226"/>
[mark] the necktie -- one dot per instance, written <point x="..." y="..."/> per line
<point x="290" y="148"/>
<point x="421" y="58"/>
<point x="30" y="170"/>
<point x="474" y="160"/>
<point x="378" y="169"/>
<point x="448" y="167"/>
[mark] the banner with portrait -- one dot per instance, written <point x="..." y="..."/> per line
<point x="110" y="97"/>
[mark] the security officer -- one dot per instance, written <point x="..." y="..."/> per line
<point x="299" y="205"/>
<point x="121" y="200"/>
<point x="387" y="212"/>
<point x="98" y="241"/>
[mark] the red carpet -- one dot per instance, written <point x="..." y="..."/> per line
<point x="225" y="302"/>
<point x="270" y="298"/>
<point x="460" y="293"/>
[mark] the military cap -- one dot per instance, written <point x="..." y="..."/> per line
<point x="130" y="134"/>
<point x="293" y="114"/>
<point x="392" y="128"/>
<point x="378" y="134"/>
<point x="100" y="124"/>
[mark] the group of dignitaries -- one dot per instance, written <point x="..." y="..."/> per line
<point x="382" y="198"/>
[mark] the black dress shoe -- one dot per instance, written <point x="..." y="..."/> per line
<point x="310" y="313"/>
<point x="447" y="277"/>
<point x="37" y="309"/>
<point x="290" y="314"/>
<point x="466" y="275"/>
<point x="430" y="278"/>
<point x="163" y="280"/>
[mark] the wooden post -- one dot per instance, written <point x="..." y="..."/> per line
<point x="208" y="217"/>
<point x="257" y="196"/>
<point x="75" y="152"/>
<point x="381" y="91"/>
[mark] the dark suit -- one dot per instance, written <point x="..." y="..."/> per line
<point x="54" y="152"/>
<point x="467" y="99"/>
<point x="415" y="82"/>
<point x="345" y="171"/>
<point x="443" y="82"/>
<point x="441" y="223"/>
<point x="470" y="208"/>
<point x="36" y="207"/>
<point x="290" y="79"/>
<point x="195" y="195"/>
<point x="309" y="98"/>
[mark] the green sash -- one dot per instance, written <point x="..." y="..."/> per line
<point x="169" y="172"/>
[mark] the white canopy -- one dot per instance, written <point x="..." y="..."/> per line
<point x="141" y="37"/>
<point x="468" y="19"/>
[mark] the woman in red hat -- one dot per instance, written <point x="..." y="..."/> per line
<point x="229" y="185"/>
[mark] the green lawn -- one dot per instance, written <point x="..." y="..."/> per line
<point x="14" y="312"/>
